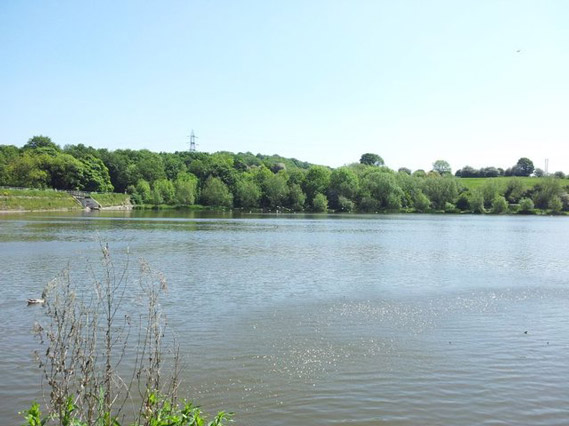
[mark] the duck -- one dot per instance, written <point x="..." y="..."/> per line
<point x="39" y="301"/>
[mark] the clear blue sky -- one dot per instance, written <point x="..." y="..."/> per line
<point x="473" y="82"/>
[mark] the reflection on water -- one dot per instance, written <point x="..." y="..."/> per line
<point x="317" y="320"/>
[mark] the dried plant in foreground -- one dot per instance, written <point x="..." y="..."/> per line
<point x="87" y="334"/>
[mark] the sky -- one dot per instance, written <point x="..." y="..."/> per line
<point x="472" y="82"/>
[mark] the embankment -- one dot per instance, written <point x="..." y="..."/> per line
<point x="27" y="200"/>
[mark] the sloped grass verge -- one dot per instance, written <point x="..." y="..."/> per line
<point x="36" y="199"/>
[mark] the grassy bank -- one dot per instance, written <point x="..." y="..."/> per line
<point x="49" y="199"/>
<point x="473" y="183"/>
<point x="36" y="199"/>
<point x="111" y="199"/>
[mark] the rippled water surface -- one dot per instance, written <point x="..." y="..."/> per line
<point x="324" y="320"/>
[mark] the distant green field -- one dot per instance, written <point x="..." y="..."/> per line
<point x="529" y="182"/>
<point x="109" y="199"/>
<point x="36" y="199"/>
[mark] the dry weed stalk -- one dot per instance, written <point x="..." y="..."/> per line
<point x="86" y="334"/>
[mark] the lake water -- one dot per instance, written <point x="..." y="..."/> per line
<point x="325" y="320"/>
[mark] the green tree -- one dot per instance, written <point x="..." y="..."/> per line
<point x="565" y="201"/>
<point x="499" y="205"/>
<point x="65" y="171"/>
<point x="383" y="187"/>
<point x="156" y="196"/>
<point x="201" y="167"/>
<point x="320" y="203"/>
<point x="261" y="175"/>
<point x="490" y="190"/>
<point x="8" y="154"/>
<point x="524" y="167"/>
<point x="367" y="203"/>
<point x="186" y="188"/>
<point x="144" y="192"/>
<point x="345" y="204"/>
<point x="247" y="192"/>
<point x="371" y="159"/>
<point x="316" y="181"/>
<point x="244" y="161"/>
<point x="450" y="208"/>
<point x="462" y="202"/>
<point x="149" y="166"/>
<point x="422" y="202"/>
<point x="296" y="197"/>
<point x="216" y="193"/>
<point x="42" y="144"/>
<point x="95" y="174"/>
<point x="514" y="190"/>
<point x="526" y="205"/>
<point x="297" y="176"/>
<point x="275" y="190"/>
<point x="545" y="191"/>
<point x="80" y="151"/>
<point x="440" y="190"/>
<point x="173" y="165"/>
<point x="117" y="163"/>
<point x="166" y="190"/>
<point x="411" y="187"/>
<point x="556" y="205"/>
<point x="442" y="167"/>
<point x="343" y="183"/>
<point x="26" y="171"/>
<point x="477" y="202"/>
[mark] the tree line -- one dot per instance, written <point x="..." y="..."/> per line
<point x="271" y="183"/>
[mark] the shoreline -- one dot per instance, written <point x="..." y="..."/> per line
<point x="108" y="208"/>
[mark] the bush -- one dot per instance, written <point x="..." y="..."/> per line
<point x="462" y="202"/>
<point x="477" y="202"/>
<point x="499" y="205"/>
<point x="320" y="203"/>
<point x="526" y="205"/>
<point x="186" y="188"/>
<point x="565" y="201"/>
<point x="555" y="205"/>
<point x="216" y="193"/>
<point x="166" y="190"/>
<point x="143" y="191"/>
<point x="393" y="201"/>
<point x="345" y="204"/>
<point x="422" y="202"/>
<point x="368" y="205"/>
<point x="514" y="208"/>
<point x="450" y="208"/>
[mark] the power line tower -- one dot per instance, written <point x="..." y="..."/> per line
<point x="193" y="138"/>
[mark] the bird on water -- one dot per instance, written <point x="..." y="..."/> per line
<point x="40" y="301"/>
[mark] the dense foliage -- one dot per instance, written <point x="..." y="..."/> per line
<point x="274" y="183"/>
